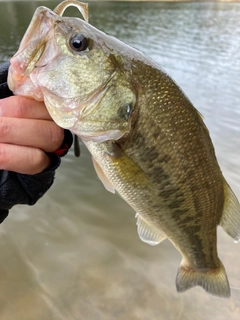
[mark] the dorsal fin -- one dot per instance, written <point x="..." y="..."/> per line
<point x="230" y="220"/>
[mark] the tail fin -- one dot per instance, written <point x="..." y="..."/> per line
<point x="213" y="281"/>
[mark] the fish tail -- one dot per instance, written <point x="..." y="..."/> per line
<point x="214" y="281"/>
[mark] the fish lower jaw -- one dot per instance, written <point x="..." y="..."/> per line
<point x="65" y="120"/>
<point x="22" y="85"/>
<point x="15" y="79"/>
<point x="98" y="136"/>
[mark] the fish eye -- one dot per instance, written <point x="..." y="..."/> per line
<point x="125" y="111"/>
<point x="78" y="42"/>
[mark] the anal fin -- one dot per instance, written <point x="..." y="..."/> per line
<point x="148" y="233"/>
<point x="107" y="184"/>
<point x="230" y="220"/>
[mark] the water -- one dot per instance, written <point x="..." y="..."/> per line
<point x="76" y="254"/>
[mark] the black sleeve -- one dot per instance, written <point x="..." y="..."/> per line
<point x="4" y="90"/>
<point x="16" y="188"/>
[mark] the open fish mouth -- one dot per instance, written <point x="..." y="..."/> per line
<point x="32" y="47"/>
<point x="23" y="63"/>
<point x="34" y="41"/>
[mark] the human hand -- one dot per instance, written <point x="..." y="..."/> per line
<point x="27" y="132"/>
<point x="27" y="137"/>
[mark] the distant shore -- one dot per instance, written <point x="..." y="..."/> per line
<point x="136" y="0"/>
<point x="130" y="0"/>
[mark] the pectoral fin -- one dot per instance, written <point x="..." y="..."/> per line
<point x="148" y="233"/>
<point x="230" y="220"/>
<point x="107" y="184"/>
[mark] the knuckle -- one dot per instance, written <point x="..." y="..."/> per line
<point x="14" y="106"/>
<point x="4" y="159"/>
<point x="21" y="107"/>
<point x="23" y="159"/>
<point x="38" y="161"/>
<point x="4" y="128"/>
<point x="56" y="137"/>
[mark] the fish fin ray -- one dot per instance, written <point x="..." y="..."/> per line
<point x="148" y="233"/>
<point x="101" y="175"/>
<point x="230" y="220"/>
<point x="214" y="281"/>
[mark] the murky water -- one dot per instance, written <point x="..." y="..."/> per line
<point x="76" y="254"/>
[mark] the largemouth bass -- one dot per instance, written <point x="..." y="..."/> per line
<point x="147" y="140"/>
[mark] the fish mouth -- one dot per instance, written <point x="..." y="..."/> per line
<point x="31" y="48"/>
<point x="19" y="69"/>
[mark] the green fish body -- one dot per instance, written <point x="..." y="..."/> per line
<point x="147" y="140"/>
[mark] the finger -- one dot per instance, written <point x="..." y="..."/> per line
<point x="22" y="107"/>
<point x="41" y="134"/>
<point x="29" y="160"/>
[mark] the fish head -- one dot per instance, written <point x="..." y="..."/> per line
<point x="80" y="73"/>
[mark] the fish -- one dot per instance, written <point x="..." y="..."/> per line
<point x="147" y="140"/>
